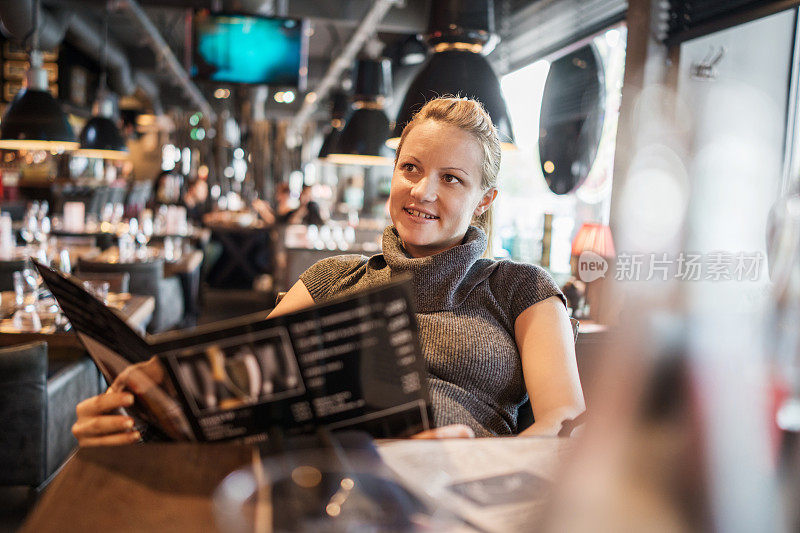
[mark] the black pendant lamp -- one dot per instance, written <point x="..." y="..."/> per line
<point x="34" y="120"/>
<point x="100" y="137"/>
<point x="460" y="33"/>
<point x="363" y="140"/>
<point x="340" y="107"/>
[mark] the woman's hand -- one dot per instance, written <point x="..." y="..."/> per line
<point x="453" y="431"/>
<point x="97" y="426"/>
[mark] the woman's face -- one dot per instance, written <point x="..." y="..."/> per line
<point x="436" y="188"/>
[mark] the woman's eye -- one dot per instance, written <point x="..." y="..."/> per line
<point x="408" y="167"/>
<point x="449" y="178"/>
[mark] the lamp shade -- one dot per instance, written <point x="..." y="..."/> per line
<point x="340" y="108"/>
<point x="363" y="139"/>
<point x="595" y="238"/>
<point x="456" y="72"/>
<point x="330" y="143"/>
<point x="35" y="121"/>
<point x="101" y="138"/>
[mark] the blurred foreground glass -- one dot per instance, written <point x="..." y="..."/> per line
<point x="784" y="248"/>
<point x="325" y="491"/>
<point x="98" y="289"/>
<point x="26" y="293"/>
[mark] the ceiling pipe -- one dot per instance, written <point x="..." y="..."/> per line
<point x="17" y="23"/>
<point x="150" y="88"/>
<point x="345" y="60"/>
<point x="164" y="53"/>
<point x="16" y="17"/>
<point x="88" y="38"/>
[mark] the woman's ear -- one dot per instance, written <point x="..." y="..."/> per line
<point x="486" y="200"/>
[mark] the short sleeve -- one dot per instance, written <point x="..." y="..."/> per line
<point x="517" y="286"/>
<point x="325" y="278"/>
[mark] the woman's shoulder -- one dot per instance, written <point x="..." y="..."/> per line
<point x="520" y="285"/>
<point x="332" y="272"/>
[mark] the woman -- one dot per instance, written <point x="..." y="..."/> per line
<point x="491" y="332"/>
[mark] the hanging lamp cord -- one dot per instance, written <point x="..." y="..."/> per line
<point x="32" y="36"/>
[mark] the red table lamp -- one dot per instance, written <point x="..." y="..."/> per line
<point x="596" y="238"/>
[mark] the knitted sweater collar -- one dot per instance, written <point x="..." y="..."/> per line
<point x="443" y="280"/>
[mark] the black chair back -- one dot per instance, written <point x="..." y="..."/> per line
<point x="7" y="269"/>
<point x="23" y="382"/>
<point x="117" y="281"/>
<point x="144" y="276"/>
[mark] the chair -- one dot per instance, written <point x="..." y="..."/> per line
<point x="146" y="278"/>
<point x="7" y="269"/>
<point x="37" y="409"/>
<point x="117" y="281"/>
<point x="525" y="413"/>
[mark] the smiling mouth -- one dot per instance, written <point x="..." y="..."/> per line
<point x="419" y="214"/>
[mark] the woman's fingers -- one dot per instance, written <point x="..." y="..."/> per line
<point x="111" y="440"/>
<point x="102" y="425"/>
<point x="103" y="403"/>
<point x="453" y="431"/>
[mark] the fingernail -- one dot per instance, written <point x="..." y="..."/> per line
<point x="129" y="423"/>
<point x="136" y="435"/>
<point x="128" y="400"/>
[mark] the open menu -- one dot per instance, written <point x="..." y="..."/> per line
<point x="352" y="363"/>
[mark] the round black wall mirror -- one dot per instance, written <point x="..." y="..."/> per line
<point x="571" y="118"/>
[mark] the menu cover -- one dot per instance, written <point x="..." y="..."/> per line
<point x="352" y="363"/>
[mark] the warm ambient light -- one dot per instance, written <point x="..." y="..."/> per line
<point x="222" y="93"/>
<point x="352" y="159"/>
<point x="101" y="154"/>
<point x="284" y="97"/>
<point x="549" y="167"/>
<point x="595" y="238"/>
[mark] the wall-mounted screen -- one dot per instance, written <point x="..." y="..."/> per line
<point x="237" y="48"/>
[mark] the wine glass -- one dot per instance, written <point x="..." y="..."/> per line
<point x="26" y="295"/>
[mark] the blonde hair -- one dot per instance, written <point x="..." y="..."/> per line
<point x="470" y="116"/>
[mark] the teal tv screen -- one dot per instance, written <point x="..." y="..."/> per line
<point x="233" y="48"/>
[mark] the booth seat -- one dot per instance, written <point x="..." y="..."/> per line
<point x="37" y="411"/>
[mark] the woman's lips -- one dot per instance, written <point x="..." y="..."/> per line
<point x="419" y="215"/>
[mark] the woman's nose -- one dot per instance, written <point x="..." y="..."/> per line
<point x="424" y="190"/>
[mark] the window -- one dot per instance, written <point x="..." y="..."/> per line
<point x="524" y="196"/>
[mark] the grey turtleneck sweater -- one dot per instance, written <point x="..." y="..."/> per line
<point x="466" y="308"/>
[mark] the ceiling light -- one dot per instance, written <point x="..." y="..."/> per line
<point x="34" y="120"/>
<point x="363" y="139"/>
<point x="340" y="108"/>
<point x="459" y="38"/>
<point x="100" y="137"/>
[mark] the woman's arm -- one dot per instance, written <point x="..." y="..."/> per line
<point x="297" y="298"/>
<point x="544" y="338"/>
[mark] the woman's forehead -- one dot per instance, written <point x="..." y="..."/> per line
<point x="442" y="142"/>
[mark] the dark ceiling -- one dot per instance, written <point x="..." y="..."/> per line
<point x="332" y="21"/>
